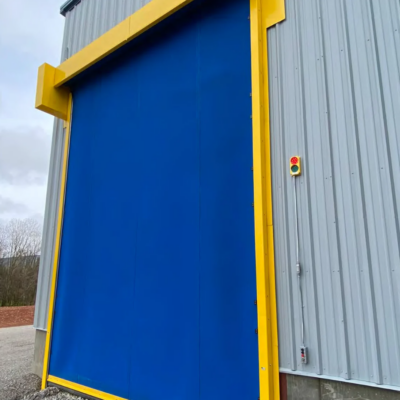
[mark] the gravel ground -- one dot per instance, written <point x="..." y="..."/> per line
<point x="51" y="394"/>
<point x="16" y="356"/>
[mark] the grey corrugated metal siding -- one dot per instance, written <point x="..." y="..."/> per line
<point x="87" y="21"/>
<point x="335" y="101"/>
<point x="49" y="227"/>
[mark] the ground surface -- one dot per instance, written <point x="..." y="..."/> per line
<point x="16" y="316"/>
<point x="16" y="357"/>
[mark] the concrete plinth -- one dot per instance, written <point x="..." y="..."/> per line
<point x="40" y="342"/>
<point x="294" y="387"/>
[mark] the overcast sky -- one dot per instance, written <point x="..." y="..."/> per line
<point x="30" y="34"/>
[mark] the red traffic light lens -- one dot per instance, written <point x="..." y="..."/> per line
<point x="294" y="160"/>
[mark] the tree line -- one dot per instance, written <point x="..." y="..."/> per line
<point x="20" y="243"/>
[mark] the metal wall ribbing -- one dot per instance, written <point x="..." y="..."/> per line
<point x="335" y="101"/>
<point x="49" y="227"/>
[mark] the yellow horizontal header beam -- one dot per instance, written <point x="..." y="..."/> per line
<point x="127" y="30"/>
<point x="55" y="102"/>
<point x="53" y="99"/>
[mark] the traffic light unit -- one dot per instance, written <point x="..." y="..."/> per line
<point x="295" y="166"/>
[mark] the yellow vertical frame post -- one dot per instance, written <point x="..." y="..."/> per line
<point x="263" y="14"/>
<point x="67" y="135"/>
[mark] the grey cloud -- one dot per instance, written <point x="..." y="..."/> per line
<point x="9" y="206"/>
<point x="10" y="209"/>
<point x="24" y="156"/>
<point x="39" y="218"/>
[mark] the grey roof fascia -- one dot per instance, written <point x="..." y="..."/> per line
<point x="68" y="6"/>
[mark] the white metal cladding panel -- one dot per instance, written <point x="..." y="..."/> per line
<point x="335" y="101"/>
<point x="87" y="21"/>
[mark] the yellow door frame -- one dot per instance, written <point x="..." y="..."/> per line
<point x="263" y="15"/>
<point x="67" y="135"/>
<point x="54" y="97"/>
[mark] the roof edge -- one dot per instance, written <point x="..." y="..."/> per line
<point x="68" y="6"/>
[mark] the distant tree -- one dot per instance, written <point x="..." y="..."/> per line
<point x="20" y="242"/>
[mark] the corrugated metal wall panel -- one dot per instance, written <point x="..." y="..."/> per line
<point x="335" y="100"/>
<point x="49" y="227"/>
<point x="87" y="21"/>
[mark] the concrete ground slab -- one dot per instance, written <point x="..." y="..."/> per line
<point x="16" y="352"/>
<point x="16" y="356"/>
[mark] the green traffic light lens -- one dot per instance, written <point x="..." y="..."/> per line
<point x="295" y="169"/>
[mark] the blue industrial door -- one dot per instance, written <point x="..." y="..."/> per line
<point x="156" y="285"/>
